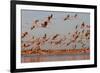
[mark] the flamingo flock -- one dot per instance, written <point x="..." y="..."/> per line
<point x="71" y="40"/>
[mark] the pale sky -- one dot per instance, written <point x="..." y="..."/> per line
<point x="58" y="25"/>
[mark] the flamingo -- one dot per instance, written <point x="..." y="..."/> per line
<point x="75" y="15"/>
<point x="66" y="18"/>
<point x="24" y="34"/>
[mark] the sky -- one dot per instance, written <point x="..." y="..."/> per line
<point x="57" y="24"/>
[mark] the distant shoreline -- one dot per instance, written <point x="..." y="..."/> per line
<point x="55" y="52"/>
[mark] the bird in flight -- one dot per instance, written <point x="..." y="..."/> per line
<point x="66" y="18"/>
<point x="34" y="24"/>
<point x="76" y="27"/>
<point x="49" y="17"/>
<point x="75" y="15"/>
<point x="82" y="25"/>
<point x="44" y="24"/>
<point x="26" y="45"/>
<point x="55" y="36"/>
<point x="24" y="34"/>
<point x="44" y="36"/>
<point x="36" y="21"/>
<point x="32" y="27"/>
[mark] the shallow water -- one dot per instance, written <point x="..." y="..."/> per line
<point x="45" y="58"/>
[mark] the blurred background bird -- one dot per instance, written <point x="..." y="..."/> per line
<point x="67" y="17"/>
<point x="75" y="15"/>
<point x="24" y="34"/>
